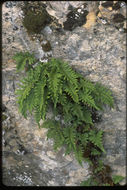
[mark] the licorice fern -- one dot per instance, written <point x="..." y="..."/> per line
<point x="55" y="84"/>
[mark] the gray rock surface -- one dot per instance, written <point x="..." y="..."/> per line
<point x="97" y="51"/>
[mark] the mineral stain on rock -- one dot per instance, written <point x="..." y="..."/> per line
<point x="46" y="46"/>
<point x="118" y="18"/>
<point x="75" y="18"/>
<point x="107" y="4"/>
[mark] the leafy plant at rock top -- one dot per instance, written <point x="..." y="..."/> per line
<point x="92" y="182"/>
<point x="23" y="60"/>
<point x="55" y="84"/>
<point x="117" y="178"/>
<point x="89" y="182"/>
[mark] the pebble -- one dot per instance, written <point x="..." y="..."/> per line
<point x="122" y="4"/>
<point x="79" y="10"/>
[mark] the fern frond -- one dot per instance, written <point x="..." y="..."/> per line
<point x="22" y="59"/>
<point x="102" y="96"/>
<point x="54" y="132"/>
<point x="83" y="138"/>
<point x="86" y="98"/>
<point x="79" y="154"/>
<point x="85" y="84"/>
<point x="87" y="117"/>
<point x="72" y="91"/>
<point x="77" y="110"/>
<point x="54" y="81"/>
<point x="37" y="115"/>
<point x="96" y="138"/>
<point x="67" y="72"/>
<point x="70" y="138"/>
<point x="95" y="152"/>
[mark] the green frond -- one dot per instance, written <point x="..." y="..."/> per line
<point x="89" y="182"/>
<point x="72" y="91"/>
<point x="67" y="72"/>
<point x="77" y="110"/>
<point x="86" y="85"/>
<point x="100" y="166"/>
<point x="102" y="96"/>
<point x="87" y="117"/>
<point x="54" y="79"/>
<point x="83" y="138"/>
<point x="95" y="152"/>
<point x="70" y="138"/>
<point x="87" y="99"/>
<point x="117" y="178"/>
<point x="96" y="138"/>
<point x="54" y="132"/>
<point x="37" y="115"/>
<point x="79" y="154"/>
<point x="22" y="59"/>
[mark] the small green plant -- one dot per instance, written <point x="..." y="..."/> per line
<point x="55" y="85"/>
<point x="92" y="181"/>
<point x="117" y="178"/>
<point x="35" y="22"/>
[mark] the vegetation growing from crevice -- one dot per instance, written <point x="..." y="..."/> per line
<point x="75" y="100"/>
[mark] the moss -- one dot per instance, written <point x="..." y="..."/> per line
<point x="4" y="117"/>
<point x="34" y="22"/>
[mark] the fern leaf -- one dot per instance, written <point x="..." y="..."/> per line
<point x="83" y="138"/>
<point x="86" y="98"/>
<point x="79" y="154"/>
<point x="72" y="91"/>
<point x="54" y="132"/>
<point x="54" y="81"/>
<point x="70" y="137"/>
<point x="67" y="72"/>
<point x="77" y="110"/>
<point x="95" y="152"/>
<point x="103" y="96"/>
<point x="37" y="115"/>
<point x="117" y="178"/>
<point x="87" y="117"/>
<point x="22" y="59"/>
<point x="96" y="139"/>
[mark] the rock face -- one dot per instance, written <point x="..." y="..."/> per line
<point x="96" y="48"/>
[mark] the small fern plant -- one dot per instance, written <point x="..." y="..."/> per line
<point x="56" y="85"/>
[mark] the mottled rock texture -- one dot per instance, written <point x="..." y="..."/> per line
<point x="97" y="48"/>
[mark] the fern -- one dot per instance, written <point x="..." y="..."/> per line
<point x="96" y="139"/>
<point x="70" y="138"/>
<point x="55" y="84"/>
<point x="117" y="178"/>
<point x="95" y="152"/>
<point x="102" y="96"/>
<point x="89" y="182"/>
<point x="79" y="154"/>
<point x="23" y="59"/>
<point x="54" y="132"/>
<point x="100" y="167"/>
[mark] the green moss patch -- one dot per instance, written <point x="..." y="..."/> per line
<point x="34" y="22"/>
